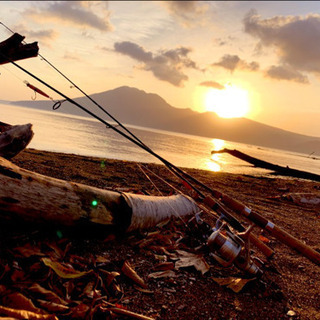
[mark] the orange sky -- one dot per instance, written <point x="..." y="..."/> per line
<point x="261" y="56"/>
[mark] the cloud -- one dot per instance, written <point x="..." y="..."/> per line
<point x="212" y="84"/>
<point x="187" y="13"/>
<point x="233" y="62"/>
<point x="295" y="38"/>
<point x="45" y="36"/>
<point x="78" y="13"/>
<point x="166" y="65"/>
<point x="286" y="73"/>
<point x="221" y="42"/>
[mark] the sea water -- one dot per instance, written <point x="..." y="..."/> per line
<point x="85" y="136"/>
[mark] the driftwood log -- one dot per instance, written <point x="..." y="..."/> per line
<point x="13" y="49"/>
<point x="285" y="171"/>
<point x="29" y="196"/>
<point x="14" y="139"/>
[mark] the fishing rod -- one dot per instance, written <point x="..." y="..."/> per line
<point x="280" y="234"/>
<point x="212" y="204"/>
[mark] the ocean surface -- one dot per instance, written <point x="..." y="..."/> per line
<point x="59" y="132"/>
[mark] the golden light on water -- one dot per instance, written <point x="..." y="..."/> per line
<point x="214" y="163"/>
<point x="230" y="102"/>
<point x="213" y="166"/>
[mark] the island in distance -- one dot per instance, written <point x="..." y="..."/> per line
<point x="136" y="107"/>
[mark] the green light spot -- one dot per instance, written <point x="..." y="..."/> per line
<point x="102" y="164"/>
<point x="94" y="203"/>
<point x="59" y="234"/>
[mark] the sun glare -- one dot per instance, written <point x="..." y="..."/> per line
<point x="230" y="102"/>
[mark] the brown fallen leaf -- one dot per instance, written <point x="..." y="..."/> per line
<point x="131" y="273"/>
<point x="18" y="275"/>
<point x="188" y="259"/>
<point x="52" y="306"/>
<point x="164" y="266"/>
<point x="110" y="283"/>
<point x="62" y="271"/>
<point x="24" y="314"/>
<point x="48" y="294"/>
<point x="17" y="299"/>
<point x="235" y="284"/>
<point x="162" y="274"/>
<point x="28" y="251"/>
<point x="80" y="311"/>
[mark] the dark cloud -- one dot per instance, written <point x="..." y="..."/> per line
<point x="78" y="13"/>
<point x="187" y="13"/>
<point x="233" y="62"/>
<point x="166" y="65"/>
<point x="134" y="51"/>
<point x="295" y="38"/>
<point x="212" y="84"/>
<point x="286" y="73"/>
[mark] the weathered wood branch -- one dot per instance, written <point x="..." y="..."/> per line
<point x="285" y="171"/>
<point x="14" y="139"/>
<point x="12" y="49"/>
<point x="33" y="197"/>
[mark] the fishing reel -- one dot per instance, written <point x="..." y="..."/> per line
<point x="228" y="248"/>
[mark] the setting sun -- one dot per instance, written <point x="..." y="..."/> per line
<point x="230" y="102"/>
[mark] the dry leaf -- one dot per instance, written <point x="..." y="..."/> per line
<point x="19" y="300"/>
<point x="101" y="259"/>
<point x="164" y="266"/>
<point x="62" y="271"/>
<point x="49" y="295"/>
<point x="188" y="259"/>
<point x="143" y="290"/>
<point x="162" y="274"/>
<point x="28" y="251"/>
<point x="235" y="284"/>
<point x="80" y="311"/>
<point x="130" y="273"/>
<point x="52" y="306"/>
<point x="24" y="314"/>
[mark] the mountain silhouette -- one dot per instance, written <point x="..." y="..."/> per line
<point x="133" y="106"/>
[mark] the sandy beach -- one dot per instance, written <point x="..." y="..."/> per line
<point x="288" y="289"/>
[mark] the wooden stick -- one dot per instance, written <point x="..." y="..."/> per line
<point x="14" y="139"/>
<point x="38" y="198"/>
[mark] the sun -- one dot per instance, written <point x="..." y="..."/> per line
<point x="230" y="102"/>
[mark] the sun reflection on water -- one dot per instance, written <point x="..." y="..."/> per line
<point x="214" y="163"/>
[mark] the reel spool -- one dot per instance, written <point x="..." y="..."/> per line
<point x="228" y="248"/>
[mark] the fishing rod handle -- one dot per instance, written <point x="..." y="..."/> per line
<point x="296" y="244"/>
<point x="274" y="230"/>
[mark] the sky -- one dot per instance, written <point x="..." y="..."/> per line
<point x="254" y="59"/>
